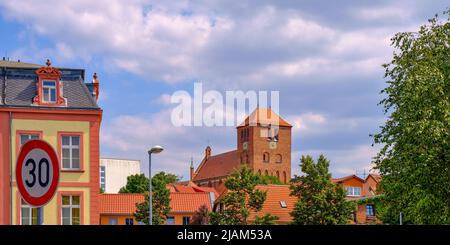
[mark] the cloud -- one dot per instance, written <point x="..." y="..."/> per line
<point x="353" y="160"/>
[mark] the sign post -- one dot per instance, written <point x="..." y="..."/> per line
<point x="37" y="172"/>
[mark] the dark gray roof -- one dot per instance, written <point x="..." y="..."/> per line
<point x="19" y="87"/>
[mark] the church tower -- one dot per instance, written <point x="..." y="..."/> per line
<point x="264" y="143"/>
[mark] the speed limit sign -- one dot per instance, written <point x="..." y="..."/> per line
<point x="37" y="172"/>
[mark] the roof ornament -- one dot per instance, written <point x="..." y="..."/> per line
<point x="48" y="63"/>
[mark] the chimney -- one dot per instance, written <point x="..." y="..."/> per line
<point x="192" y="172"/>
<point x="207" y="152"/>
<point x="95" y="84"/>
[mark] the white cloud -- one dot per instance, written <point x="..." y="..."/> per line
<point x="353" y="160"/>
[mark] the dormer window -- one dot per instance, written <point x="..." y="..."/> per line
<point x="49" y="87"/>
<point x="49" y="91"/>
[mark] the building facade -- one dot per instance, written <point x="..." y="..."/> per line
<point x="263" y="144"/>
<point x="185" y="200"/>
<point x="56" y="106"/>
<point x="114" y="173"/>
<point x="359" y="189"/>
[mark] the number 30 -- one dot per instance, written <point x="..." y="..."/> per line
<point x="32" y="172"/>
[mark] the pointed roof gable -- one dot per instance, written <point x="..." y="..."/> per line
<point x="264" y="116"/>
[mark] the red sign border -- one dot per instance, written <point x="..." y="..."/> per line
<point x="25" y="149"/>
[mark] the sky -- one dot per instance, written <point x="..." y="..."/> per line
<point x="324" y="58"/>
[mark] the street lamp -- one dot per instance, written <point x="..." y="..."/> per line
<point x="155" y="149"/>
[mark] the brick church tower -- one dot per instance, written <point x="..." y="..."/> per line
<point x="264" y="143"/>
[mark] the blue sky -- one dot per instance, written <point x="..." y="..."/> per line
<point x="323" y="56"/>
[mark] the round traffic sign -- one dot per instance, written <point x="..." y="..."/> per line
<point x="37" y="172"/>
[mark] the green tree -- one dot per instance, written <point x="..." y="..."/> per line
<point x="415" y="157"/>
<point x="137" y="183"/>
<point x="320" y="201"/>
<point x="160" y="199"/>
<point x="201" y="216"/>
<point x="241" y="199"/>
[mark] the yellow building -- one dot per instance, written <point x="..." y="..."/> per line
<point x="56" y="106"/>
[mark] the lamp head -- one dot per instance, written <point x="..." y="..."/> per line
<point x="155" y="149"/>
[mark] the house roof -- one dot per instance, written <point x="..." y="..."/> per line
<point x="18" y="86"/>
<point x="218" y="165"/>
<point x="275" y="195"/>
<point x="264" y="116"/>
<point x="119" y="203"/>
<point x="190" y="187"/>
<point x="189" y="202"/>
<point x="340" y="180"/>
<point x="376" y="177"/>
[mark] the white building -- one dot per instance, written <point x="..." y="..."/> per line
<point x="114" y="173"/>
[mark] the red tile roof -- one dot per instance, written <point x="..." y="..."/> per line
<point x="219" y="165"/>
<point x="339" y="180"/>
<point x="265" y="116"/>
<point x="376" y="177"/>
<point x="272" y="205"/>
<point x="190" y="187"/>
<point x="189" y="202"/>
<point x="119" y="203"/>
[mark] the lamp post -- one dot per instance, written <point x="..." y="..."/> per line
<point x="155" y="149"/>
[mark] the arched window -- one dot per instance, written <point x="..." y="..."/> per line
<point x="259" y="172"/>
<point x="266" y="173"/>
<point x="278" y="175"/>
<point x="266" y="157"/>
<point x="284" y="177"/>
<point x="278" y="158"/>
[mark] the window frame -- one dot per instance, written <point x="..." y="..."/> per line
<point x="188" y="218"/>
<point x="372" y="209"/>
<point x="102" y="185"/>
<point x="353" y="191"/>
<point x="60" y="205"/>
<point x="23" y="204"/>
<point x="54" y="87"/>
<point x="19" y="133"/>
<point x="80" y="148"/>
<point x="171" y="218"/>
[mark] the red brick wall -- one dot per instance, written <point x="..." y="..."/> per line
<point x="258" y="145"/>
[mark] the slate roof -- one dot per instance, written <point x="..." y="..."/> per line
<point x="18" y="86"/>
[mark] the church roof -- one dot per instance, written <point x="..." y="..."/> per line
<point x="219" y="165"/>
<point x="264" y="116"/>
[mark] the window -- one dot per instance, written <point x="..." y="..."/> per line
<point x="129" y="221"/>
<point x="284" y="177"/>
<point x="170" y="220"/>
<point x="186" y="220"/>
<point x="353" y="191"/>
<point x="278" y="175"/>
<point x="370" y="210"/>
<point x="273" y="134"/>
<point x="264" y="132"/>
<point x="266" y="173"/>
<point x="112" y="221"/>
<point x="102" y="178"/>
<point x="70" y="210"/>
<point x="49" y="91"/>
<point x="26" y="137"/>
<point x="283" y="204"/>
<point x="266" y="157"/>
<point x="29" y="215"/>
<point x="70" y="152"/>
<point x="278" y="158"/>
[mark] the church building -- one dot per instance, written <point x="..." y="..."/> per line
<point x="263" y="143"/>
